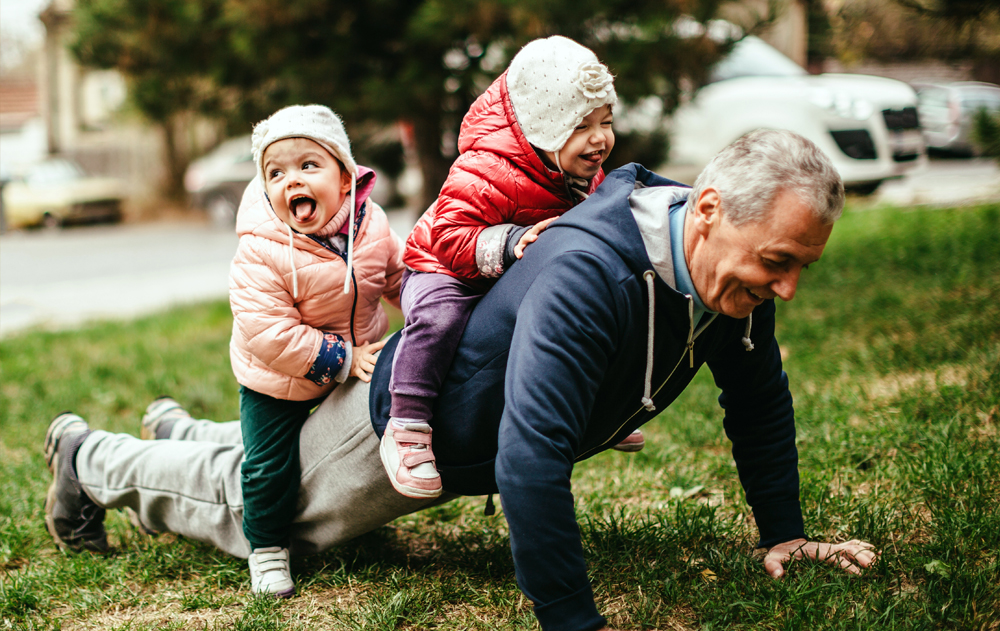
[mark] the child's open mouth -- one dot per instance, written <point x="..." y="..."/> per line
<point x="593" y="158"/>
<point x="303" y="208"/>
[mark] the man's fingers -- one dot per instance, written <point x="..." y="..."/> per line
<point x="774" y="565"/>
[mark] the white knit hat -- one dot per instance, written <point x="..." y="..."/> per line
<point x="321" y="125"/>
<point x="553" y="84"/>
<point x="315" y="122"/>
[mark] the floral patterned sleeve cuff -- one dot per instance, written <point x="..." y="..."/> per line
<point x="489" y="249"/>
<point x="333" y="356"/>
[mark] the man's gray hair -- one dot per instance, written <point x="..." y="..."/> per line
<point x="750" y="173"/>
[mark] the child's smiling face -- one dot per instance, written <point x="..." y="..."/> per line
<point x="589" y="145"/>
<point x="305" y="183"/>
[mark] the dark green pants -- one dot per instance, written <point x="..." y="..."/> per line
<point x="270" y="471"/>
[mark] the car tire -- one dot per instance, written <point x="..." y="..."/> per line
<point x="51" y="222"/>
<point x="221" y="210"/>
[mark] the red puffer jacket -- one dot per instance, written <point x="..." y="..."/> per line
<point x="497" y="179"/>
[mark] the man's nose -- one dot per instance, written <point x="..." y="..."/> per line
<point x="786" y="284"/>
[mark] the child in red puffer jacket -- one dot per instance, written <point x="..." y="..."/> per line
<point x="531" y="148"/>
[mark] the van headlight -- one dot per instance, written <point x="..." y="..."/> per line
<point x="842" y="104"/>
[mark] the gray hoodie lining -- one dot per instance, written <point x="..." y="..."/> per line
<point x="651" y="210"/>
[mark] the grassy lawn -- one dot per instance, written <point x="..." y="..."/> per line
<point x="893" y="350"/>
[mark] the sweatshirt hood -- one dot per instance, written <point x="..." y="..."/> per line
<point x="651" y="211"/>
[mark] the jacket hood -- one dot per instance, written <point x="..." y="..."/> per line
<point x="620" y="230"/>
<point x="491" y="125"/>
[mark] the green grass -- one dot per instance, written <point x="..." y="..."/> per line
<point x="893" y="350"/>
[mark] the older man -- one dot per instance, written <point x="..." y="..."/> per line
<point x="596" y="330"/>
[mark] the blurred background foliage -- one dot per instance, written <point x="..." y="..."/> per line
<point x="917" y="29"/>
<point x="380" y="62"/>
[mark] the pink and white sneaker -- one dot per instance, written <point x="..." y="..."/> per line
<point x="631" y="443"/>
<point x="408" y="459"/>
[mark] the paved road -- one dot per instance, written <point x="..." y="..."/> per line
<point x="60" y="279"/>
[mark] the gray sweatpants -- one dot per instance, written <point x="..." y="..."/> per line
<point x="190" y="484"/>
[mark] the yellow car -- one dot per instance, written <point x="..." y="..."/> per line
<point x="56" y="191"/>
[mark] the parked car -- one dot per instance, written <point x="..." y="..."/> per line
<point x="867" y="125"/>
<point x="216" y="181"/>
<point x="948" y="109"/>
<point x="56" y="192"/>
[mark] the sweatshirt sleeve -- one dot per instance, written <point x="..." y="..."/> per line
<point x="760" y="422"/>
<point x="541" y="429"/>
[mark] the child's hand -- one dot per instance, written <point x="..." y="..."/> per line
<point x="531" y="235"/>
<point x="363" y="360"/>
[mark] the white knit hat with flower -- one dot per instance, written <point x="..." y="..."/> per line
<point x="553" y="84"/>
<point x="321" y="125"/>
<point x="315" y="122"/>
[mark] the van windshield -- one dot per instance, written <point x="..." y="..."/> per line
<point x="753" y="57"/>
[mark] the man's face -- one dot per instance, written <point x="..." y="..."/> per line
<point x="734" y="269"/>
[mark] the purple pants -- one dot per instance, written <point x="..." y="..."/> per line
<point x="436" y="308"/>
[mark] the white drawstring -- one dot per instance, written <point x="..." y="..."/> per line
<point x="291" y="261"/>
<point x="647" y="401"/>
<point x="350" y="240"/>
<point x="690" y="344"/>
<point x="746" y="336"/>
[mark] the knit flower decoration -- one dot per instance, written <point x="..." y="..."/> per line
<point x="593" y="79"/>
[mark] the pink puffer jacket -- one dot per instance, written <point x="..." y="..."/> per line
<point x="276" y="339"/>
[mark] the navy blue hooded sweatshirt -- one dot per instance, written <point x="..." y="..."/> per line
<point x="551" y="370"/>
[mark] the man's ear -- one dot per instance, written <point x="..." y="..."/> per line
<point x="707" y="210"/>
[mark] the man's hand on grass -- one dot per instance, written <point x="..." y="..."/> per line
<point x="363" y="360"/>
<point x="531" y="235"/>
<point x="852" y="556"/>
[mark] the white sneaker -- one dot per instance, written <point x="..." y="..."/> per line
<point x="269" y="572"/>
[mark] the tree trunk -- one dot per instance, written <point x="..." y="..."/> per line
<point x="176" y="161"/>
<point x="433" y="166"/>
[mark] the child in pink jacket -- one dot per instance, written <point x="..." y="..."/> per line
<point x="314" y="259"/>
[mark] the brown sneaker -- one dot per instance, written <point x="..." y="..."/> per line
<point x="74" y="520"/>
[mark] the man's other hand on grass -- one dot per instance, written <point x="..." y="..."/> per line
<point x="852" y="556"/>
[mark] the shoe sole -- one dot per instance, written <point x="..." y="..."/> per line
<point x="288" y="593"/>
<point x="54" y="434"/>
<point x="406" y="491"/>
<point x="150" y="420"/>
<point x="630" y="448"/>
<point x="50" y="501"/>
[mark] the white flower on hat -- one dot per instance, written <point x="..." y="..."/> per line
<point x="553" y="83"/>
<point x="593" y="80"/>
